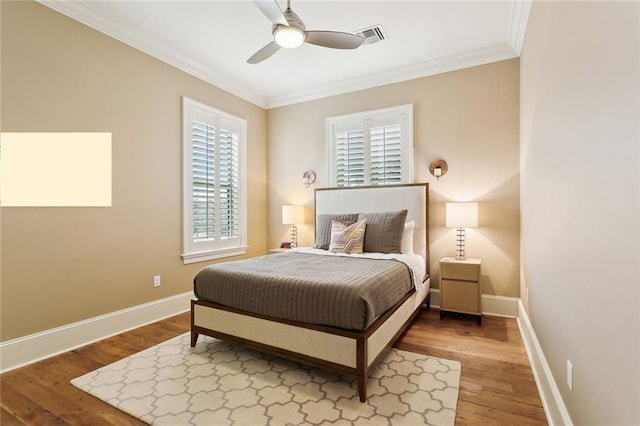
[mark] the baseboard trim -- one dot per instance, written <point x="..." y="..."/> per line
<point x="554" y="408"/>
<point x="499" y="306"/>
<point x="26" y="350"/>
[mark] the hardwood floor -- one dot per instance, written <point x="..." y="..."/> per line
<point x="497" y="385"/>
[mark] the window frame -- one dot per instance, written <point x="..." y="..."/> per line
<point x="362" y="120"/>
<point x="199" y="251"/>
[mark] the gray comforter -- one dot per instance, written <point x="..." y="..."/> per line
<point x="344" y="292"/>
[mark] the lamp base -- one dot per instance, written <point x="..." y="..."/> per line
<point x="460" y="239"/>
<point x="294" y="236"/>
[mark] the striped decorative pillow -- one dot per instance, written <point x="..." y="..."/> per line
<point x="347" y="239"/>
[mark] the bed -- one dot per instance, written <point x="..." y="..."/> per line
<point x="344" y="345"/>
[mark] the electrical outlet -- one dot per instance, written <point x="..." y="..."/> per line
<point x="156" y="280"/>
<point x="570" y="375"/>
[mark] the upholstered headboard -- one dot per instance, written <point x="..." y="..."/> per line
<point x="368" y="199"/>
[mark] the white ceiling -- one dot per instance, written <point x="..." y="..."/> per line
<point x="213" y="39"/>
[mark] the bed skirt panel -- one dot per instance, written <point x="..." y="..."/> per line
<point x="330" y="347"/>
<point x="386" y="333"/>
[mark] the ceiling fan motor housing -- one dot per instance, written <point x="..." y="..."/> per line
<point x="289" y="31"/>
<point x="294" y="20"/>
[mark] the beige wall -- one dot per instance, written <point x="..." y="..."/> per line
<point x="580" y="159"/>
<point x="76" y="263"/>
<point x="467" y="117"/>
<point x="61" y="265"/>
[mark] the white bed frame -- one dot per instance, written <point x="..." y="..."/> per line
<point x="344" y="351"/>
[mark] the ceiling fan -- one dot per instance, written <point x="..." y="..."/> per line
<point x="289" y="31"/>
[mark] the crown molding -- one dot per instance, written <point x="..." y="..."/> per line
<point x="83" y="12"/>
<point x="418" y="70"/>
<point x="511" y="49"/>
<point x="518" y="25"/>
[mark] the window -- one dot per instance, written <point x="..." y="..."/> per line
<point x="371" y="147"/>
<point x="214" y="190"/>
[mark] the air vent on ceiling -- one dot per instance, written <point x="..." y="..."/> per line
<point x="372" y="34"/>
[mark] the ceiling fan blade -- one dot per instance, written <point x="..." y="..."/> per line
<point x="334" y="39"/>
<point x="272" y="11"/>
<point x="264" y="53"/>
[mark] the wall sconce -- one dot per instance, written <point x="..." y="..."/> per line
<point x="309" y="178"/>
<point x="438" y="168"/>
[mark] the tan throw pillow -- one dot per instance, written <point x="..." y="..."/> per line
<point x="323" y="227"/>
<point x="384" y="231"/>
<point x="347" y="239"/>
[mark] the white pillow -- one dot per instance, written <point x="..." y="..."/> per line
<point x="406" y="246"/>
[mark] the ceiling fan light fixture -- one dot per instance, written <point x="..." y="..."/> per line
<point x="288" y="37"/>
<point x="289" y="31"/>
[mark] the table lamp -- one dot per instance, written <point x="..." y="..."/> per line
<point x="461" y="216"/>
<point x="293" y="215"/>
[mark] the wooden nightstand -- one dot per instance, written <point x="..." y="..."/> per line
<point x="461" y="286"/>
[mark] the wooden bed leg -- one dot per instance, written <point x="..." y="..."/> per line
<point x="362" y="388"/>
<point x="194" y="338"/>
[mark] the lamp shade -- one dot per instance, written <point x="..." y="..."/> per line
<point x="292" y="215"/>
<point x="462" y="215"/>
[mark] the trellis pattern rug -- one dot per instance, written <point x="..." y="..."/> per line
<point x="219" y="383"/>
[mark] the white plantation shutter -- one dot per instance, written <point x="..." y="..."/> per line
<point x="386" y="154"/>
<point x="214" y="183"/>
<point x="350" y="156"/>
<point x="229" y="179"/>
<point x="372" y="147"/>
<point x="203" y="173"/>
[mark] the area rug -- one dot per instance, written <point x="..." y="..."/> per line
<point x="220" y="383"/>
